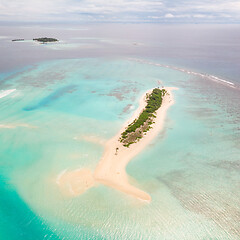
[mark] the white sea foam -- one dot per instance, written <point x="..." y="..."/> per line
<point x="221" y="80"/>
<point x="4" y="93"/>
<point x="210" y="77"/>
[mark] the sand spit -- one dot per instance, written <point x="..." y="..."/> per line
<point x="111" y="169"/>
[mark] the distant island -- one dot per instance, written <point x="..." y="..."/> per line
<point x="17" y="40"/>
<point x="41" y="40"/>
<point x="134" y="132"/>
<point x="45" y="39"/>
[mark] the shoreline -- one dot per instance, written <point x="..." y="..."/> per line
<point x="111" y="169"/>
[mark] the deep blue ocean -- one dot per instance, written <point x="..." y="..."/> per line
<point x="60" y="101"/>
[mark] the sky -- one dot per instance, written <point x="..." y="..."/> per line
<point x="133" y="11"/>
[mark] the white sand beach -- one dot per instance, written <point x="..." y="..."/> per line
<point x="111" y="169"/>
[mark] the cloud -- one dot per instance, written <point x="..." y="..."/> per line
<point x="169" y="15"/>
<point x="120" y="10"/>
<point x="154" y="17"/>
<point x="218" y="6"/>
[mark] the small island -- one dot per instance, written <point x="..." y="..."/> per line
<point x="18" y="40"/>
<point x="134" y="132"/>
<point x="111" y="169"/>
<point x="45" y="40"/>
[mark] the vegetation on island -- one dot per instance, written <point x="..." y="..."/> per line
<point x="41" y="40"/>
<point x="45" y="39"/>
<point x="134" y="132"/>
<point x="18" y="40"/>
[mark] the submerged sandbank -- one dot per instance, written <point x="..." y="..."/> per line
<point x="111" y="169"/>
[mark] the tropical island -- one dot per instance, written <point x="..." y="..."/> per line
<point x="45" y="39"/>
<point x="145" y="124"/>
<point x="140" y="126"/>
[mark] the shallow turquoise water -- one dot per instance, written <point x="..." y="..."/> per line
<point x="191" y="169"/>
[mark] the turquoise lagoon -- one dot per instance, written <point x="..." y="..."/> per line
<point x="191" y="169"/>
